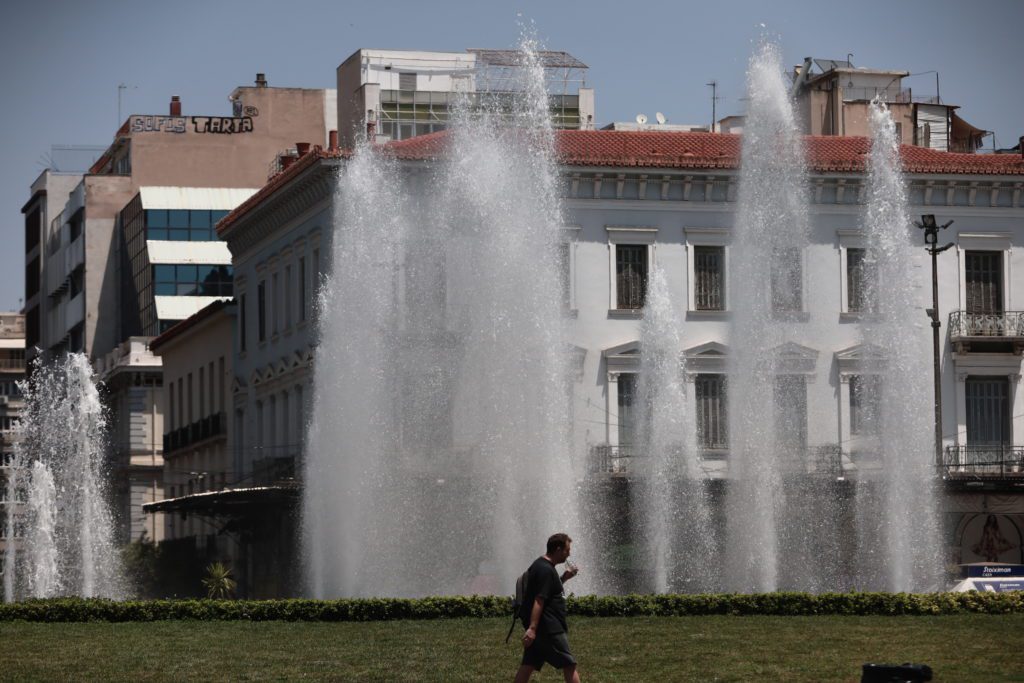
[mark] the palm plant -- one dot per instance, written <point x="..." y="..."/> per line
<point x="218" y="582"/>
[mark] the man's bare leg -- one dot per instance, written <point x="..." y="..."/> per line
<point x="524" y="673"/>
<point x="571" y="675"/>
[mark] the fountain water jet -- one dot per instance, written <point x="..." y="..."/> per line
<point x="60" y="447"/>
<point x="675" y="519"/>
<point x="907" y="528"/>
<point x="771" y="232"/>
<point x="439" y="436"/>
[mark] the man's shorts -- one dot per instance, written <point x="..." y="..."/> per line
<point x="552" y="648"/>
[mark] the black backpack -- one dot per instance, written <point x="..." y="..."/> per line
<point x="519" y="610"/>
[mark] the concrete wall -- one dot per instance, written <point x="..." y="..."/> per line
<point x="187" y="153"/>
<point x="104" y="197"/>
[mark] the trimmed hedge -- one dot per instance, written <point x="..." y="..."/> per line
<point x="384" y="609"/>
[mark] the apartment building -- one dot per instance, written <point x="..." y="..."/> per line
<point x="405" y="93"/>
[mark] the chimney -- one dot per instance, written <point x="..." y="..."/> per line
<point x="332" y="139"/>
<point x="261" y="80"/>
<point x="175" y="105"/>
<point x="302" y="148"/>
<point x="286" y="161"/>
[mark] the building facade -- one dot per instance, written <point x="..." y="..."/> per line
<point x="12" y="371"/>
<point x="405" y="93"/>
<point x="633" y="199"/>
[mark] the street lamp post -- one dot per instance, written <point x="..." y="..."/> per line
<point x="931" y="239"/>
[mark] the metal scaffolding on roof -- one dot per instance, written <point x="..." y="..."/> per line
<point x="502" y="70"/>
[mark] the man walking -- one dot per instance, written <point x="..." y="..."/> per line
<point x="545" y="639"/>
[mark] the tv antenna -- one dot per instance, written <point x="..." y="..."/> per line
<point x="121" y="87"/>
<point x="641" y="119"/>
<point x="714" y="100"/>
<point x="660" y="118"/>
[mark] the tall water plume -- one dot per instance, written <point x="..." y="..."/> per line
<point x="60" y="446"/>
<point x="674" y="519"/>
<point x="907" y="526"/>
<point x="771" y="231"/>
<point x="438" y="457"/>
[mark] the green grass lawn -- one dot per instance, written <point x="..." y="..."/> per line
<point x="710" y="648"/>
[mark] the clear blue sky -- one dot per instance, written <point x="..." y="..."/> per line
<point x="61" y="61"/>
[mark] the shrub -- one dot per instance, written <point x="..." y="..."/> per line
<point x="455" y="607"/>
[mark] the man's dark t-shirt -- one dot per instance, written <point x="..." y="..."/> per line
<point x="544" y="581"/>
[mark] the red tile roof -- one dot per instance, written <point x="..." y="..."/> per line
<point x="653" y="149"/>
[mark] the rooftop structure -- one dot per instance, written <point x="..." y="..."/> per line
<point x="404" y="93"/>
<point x="832" y="98"/>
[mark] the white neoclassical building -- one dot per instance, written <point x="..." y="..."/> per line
<point x="633" y="199"/>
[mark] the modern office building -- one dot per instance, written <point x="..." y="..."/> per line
<point x="120" y="253"/>
<point x="405" y="93"/>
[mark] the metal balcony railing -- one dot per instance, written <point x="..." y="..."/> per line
<point x="1006" y="324"/>
<point x="607" y="459"/>
<point x="816" y="460"/>
<point x="200" y="430"/>
<point x="989" y="460"/>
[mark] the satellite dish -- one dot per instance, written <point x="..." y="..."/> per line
<point x="660" y="118"/>
<point x="641" y="119"/>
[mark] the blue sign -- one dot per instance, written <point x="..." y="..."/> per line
<point x="994" y="571"/>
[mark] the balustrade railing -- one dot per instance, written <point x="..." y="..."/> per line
<point x="1005" y="324"/>
<point x="818" y="460"/>
<point x="995" y="460"/>
<point x="200" y="430"/>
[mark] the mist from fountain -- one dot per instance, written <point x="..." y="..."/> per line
<point x="674" y="519"/>
<point x="905" y="525"/>
<point x="60" y="448"/>
<point x="771" y="233"/>
<point x="439" y="455"/>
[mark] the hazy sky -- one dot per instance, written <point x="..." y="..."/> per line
<point x="61" y="62"/>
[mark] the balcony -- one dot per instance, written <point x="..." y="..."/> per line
<point x="996" y="461"/>
<point x="822" y="461"/>
<point x="613" y="460"/>
<point x="992" y="332"/>
<point x="274" y="471"/>
<point x="206" y="428"/>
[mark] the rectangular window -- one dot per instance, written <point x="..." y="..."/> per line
<point x="188" y="399"/>
<point x="857" y="287"/>
<point x="791" y="412"/>
<point x="988" y="411"/>
<point x="221" y="380"/>
<point x="287" y="297"/>
<point x="712" y="412"/>
<point x="984" y="276"/>
<point x="302" y="288"/>
<point x="275" y="307"/>
<point x="709" y="273"/>
<point x="241" y="323"/>
<point x="407" y="82"/>
<point x="261" y="311"/>
<point x="213" y="389"/>
<point x="202" y="392"/>
<point x="630" y="275"/>
<point x="171" y="418"/>
<point x="627" y="409"/>
<point x="787" y="280"/>
<point x="865" y="401"/>
<point x="564" y="254"/>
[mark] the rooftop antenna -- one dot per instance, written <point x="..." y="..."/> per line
<point x="121" y="87"/>
<point x="641" y="119"/>
<point x="660" y="118"/>
<point x="714" y="101"/>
